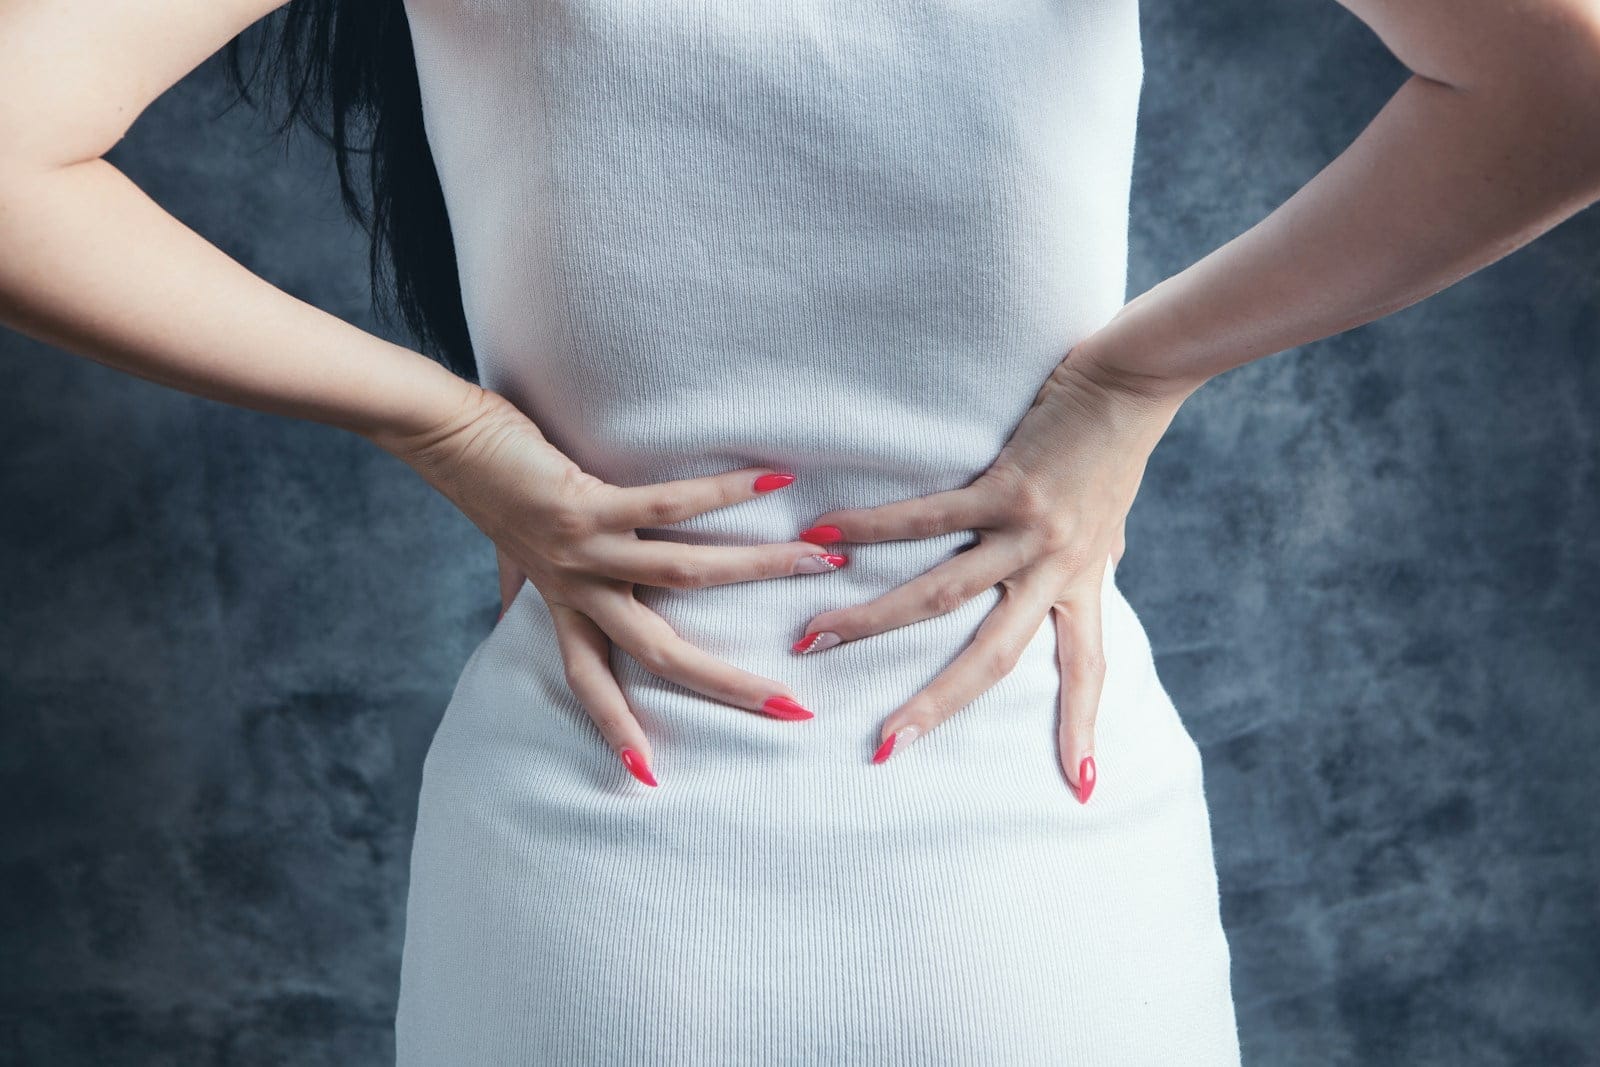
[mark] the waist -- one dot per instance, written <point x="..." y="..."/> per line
<point x="512" y="705"/>
<point x="753" y="625"/>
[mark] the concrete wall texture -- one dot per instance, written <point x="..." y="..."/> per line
<point x="1368" y="567"/>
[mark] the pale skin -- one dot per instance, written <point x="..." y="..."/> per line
<point x="1493" y="140"/>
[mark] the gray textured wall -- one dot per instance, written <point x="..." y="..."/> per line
<point x="1368" y="567"/>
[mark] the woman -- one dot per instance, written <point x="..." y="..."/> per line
<point x="829" y="293"/>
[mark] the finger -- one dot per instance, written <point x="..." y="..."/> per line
<point x="673" y="565"/>
<point x="992" y="654"/>
<point x="650" y="640"/>
<point x="585" y="652"/>
<point x="972" y="507"/>
<point x="511" y="579"/>
<point x="664" y="503"/>
<point x="936" y="592"/>
<point x="1080" y="651"/>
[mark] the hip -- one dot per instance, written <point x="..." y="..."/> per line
<point x="780" y="899"/>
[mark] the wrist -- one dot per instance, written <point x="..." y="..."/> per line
<point x="1098" y="360"/>
<point x="459" y="407"/>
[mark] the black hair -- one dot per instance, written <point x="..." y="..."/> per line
<point x="347" y="72"/>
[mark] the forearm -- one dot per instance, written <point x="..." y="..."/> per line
<point x="92" y="265"/>
<point x="1443" y="181"/>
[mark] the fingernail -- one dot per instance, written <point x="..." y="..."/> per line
<point x="1085" y="779"/>
<point x="829" y="561"/>
<point x="784" y="708"/>
<point x="885" y="750"/>
<point x="816" y="642"/>
<point x="822" y="535"/>
<point x="638" y="767"/>
<point x="768" y="482"/>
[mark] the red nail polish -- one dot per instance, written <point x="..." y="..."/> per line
<point x="638" y="767"/>
<point x="884" y="750"/>
<point x="784" y="708"/>
<point x="816" y="641"/>
<point x="768" y="482"/>
<point x="1085" y="779"/>
<point x="822" y="535"/>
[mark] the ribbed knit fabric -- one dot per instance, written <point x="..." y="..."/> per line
<point x="847" y="239"/>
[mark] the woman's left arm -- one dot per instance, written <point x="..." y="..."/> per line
<point x="1494" y="139"/>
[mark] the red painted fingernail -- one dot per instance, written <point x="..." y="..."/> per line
<point x="885" y="750"/>
<point x="816" y="642"/>
<point x="823" y="562"/>
<point x="822" y="535"/>
<point x="768" y="482"/>
<point x="820" y="563"/>
<point x="638" y="767"/>
<point x="784" y="708"/>
<point x="1085" y="779"/>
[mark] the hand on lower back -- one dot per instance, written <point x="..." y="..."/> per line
<point x="573" y="536"/>
<point x="1050" y="514"/>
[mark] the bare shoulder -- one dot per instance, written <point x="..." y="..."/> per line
<point x="75" y="74"/>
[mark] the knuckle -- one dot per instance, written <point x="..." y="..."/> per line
<point x="568" y="523"/>
<point x="947" y="598"/>
<point x="1031" y="504"/>
<point x="1067" y="554"/>
<point x="994" y="662"/>
<point x="655" y="658"/>
<point x="1001" y="658"/>
<point x="927" y="523"/>
<point x="681" y="574"/>
<point x="574" y="501"/>
<point x="665" y="508"/>
<point x="562" y="554"/>
<point x="610" y="720"/>
<point x="575" y="676"/>
<point x="864" y="525"/>
<point x="1054" y="537"/>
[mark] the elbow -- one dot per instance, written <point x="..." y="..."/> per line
<point x="1569" y="64"/>
<point x="1574" y="105"/>
<point x="1551" y="78"/>
<point x="1566" y="62"/>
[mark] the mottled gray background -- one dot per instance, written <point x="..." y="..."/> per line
<point x="1368" y="567"/>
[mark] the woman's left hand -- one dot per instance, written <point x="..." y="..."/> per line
<point x="1050" y="514"/>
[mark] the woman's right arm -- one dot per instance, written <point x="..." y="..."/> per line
<point x="93" y="266"/>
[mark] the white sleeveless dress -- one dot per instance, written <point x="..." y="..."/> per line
<point x="846" y="239"/>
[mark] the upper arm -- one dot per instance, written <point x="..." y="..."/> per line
<point x="1465" y="43"/>
<point x="75" y="74"/>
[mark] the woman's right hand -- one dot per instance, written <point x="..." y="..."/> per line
<point x="573" y="536"/>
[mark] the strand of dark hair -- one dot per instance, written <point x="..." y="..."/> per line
<point x="346" y="71"/>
